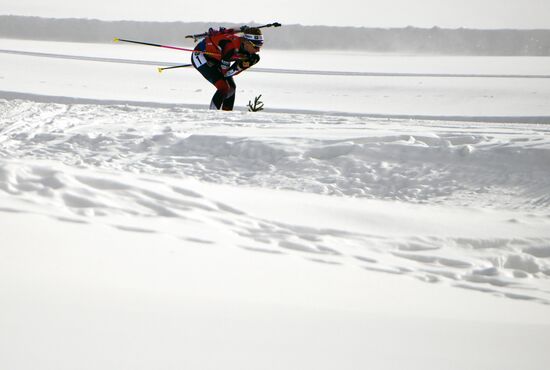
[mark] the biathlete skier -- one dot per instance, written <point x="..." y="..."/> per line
<point x="222" y="55"/>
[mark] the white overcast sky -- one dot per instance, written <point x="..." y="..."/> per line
<point x="367" y="13"/>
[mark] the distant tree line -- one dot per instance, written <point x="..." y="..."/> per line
<point x="381" y="40"/>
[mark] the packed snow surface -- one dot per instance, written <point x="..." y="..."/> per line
<point x="326" y="232"/>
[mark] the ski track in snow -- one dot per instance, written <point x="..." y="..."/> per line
<point x="503" y="166"/>
<point x="99" y="163"/>
<point x="275" y="70"/>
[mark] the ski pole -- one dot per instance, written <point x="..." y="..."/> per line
<point x="163" y="46"/>
<point x="160" y="69"/>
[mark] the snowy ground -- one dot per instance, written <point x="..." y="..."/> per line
<point x="140" y="230"/>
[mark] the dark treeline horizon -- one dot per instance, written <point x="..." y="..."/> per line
<point x="461" y="41"/>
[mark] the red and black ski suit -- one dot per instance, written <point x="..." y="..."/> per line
<point x="218" y="58"/>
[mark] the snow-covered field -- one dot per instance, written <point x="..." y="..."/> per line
<point x="396" y="221"/>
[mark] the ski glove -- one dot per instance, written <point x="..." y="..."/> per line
<point x="241" y="65"/>
<point x="249" y="61"/>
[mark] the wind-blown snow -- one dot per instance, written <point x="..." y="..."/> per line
<point x="215" y="222"/>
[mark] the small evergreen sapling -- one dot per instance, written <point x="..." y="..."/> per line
<point x="257" y="106"/>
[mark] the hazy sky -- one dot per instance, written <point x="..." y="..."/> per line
<point x="367" y="13"/>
